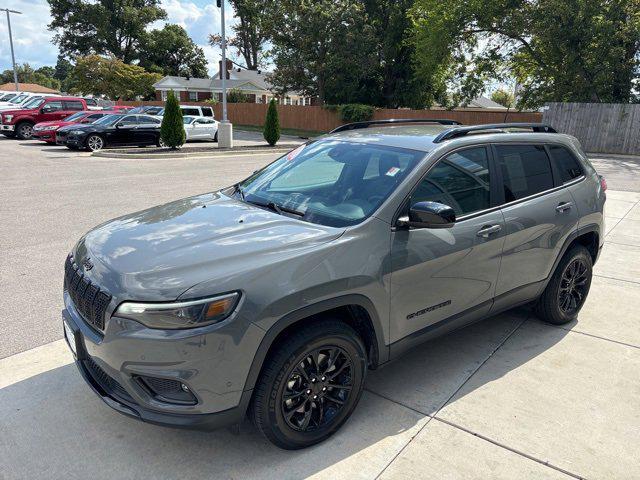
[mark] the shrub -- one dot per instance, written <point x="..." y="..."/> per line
<point x="271" y="132"/>
<point x="172" y="129"/>
<point x="353" y="112"/>
<point x="236" y="96"/>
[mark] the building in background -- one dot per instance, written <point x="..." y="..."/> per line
<point x="27" y="87"/>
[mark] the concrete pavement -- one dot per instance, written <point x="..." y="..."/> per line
<point x="509" y="397"/>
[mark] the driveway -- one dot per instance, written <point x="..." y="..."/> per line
<point x="509" y="397"/>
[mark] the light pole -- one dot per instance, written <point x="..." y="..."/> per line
<point x="225" y="128"/>
<point x="13" y="57"/>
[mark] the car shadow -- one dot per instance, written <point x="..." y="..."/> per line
<point x="53" y="422"/>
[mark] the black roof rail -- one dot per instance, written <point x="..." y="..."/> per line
<point x="462" y="131"/>
<point x="391" y="121"/>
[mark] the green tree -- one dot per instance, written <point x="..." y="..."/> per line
<point x="557" y="50"/>
<point x="172" y="128"/>
<point x="104" y="27"/>
<point x="327" y="49"/>
<point x="238" y="96"/>
<point x="251" y="31"/>
<point x="26" y="74"/>
<point x="171" y="51"/>
<point x="112" y="77"/>
<point x="271" y="131"/>
<point x="63" y="68"/>
<point x="503" y="97"/>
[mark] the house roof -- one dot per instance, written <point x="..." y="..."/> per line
<point x="484" y="102"/>
<point x="27" y="87"/>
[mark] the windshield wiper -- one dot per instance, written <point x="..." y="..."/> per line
<point x="238" y="189"/>
<point x="279" y="209"/>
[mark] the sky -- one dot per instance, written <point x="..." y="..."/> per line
<point x="33" y="42"/>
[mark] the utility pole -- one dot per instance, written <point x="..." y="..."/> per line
<point x="13" y="57"/>
<point x="225" y="128"/>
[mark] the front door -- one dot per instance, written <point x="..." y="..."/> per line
<point x="124" y="131"/>
<point x="440" y="273"/>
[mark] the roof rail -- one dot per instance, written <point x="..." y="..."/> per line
<point x="391" y="121"/>
<point x="462" y="131"/>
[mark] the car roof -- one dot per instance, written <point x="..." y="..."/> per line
<point x="421" y="137"/>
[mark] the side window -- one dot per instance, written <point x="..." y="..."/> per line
<point x="148" y="120"/>
<point x="73" y="105"/>
<point x="526" y="170"/>
<point x="129" y="120"/>
<point x="566" y="162"/>
<point x="460" y="180"/>
<point x="207" y="112"/>
<point x="52" y="107"/>
<point x="191" y="111"/>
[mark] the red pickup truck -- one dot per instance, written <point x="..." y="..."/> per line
<point x="20" y="122"/>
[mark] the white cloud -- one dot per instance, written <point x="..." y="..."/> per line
<point x="33" y="42"/>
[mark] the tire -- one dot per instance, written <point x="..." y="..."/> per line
<point x="568" y="288"/>
<point x="160" y="143"/>
<point x="94" y="143"/>
<point x="215" y="137"/>
<point x="24" y="130"/>
<point x="299" y="421"/>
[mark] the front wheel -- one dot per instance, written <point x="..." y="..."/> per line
<point x="568" y="288"/>
<point x="160" y="143"/>
<point x="24" y="131"/>
<point x="310" y="385"/>
<point x="95" y="143"/>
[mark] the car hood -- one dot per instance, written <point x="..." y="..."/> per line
<point x="159" y="253"/>
<point x="55" y="123"/>
<point x="19" y="111"/>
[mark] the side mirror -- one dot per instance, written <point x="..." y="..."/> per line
<point x="429" y="215"/>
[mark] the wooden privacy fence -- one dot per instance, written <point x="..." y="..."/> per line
<point x="320" y="119"/>
<point x="600" y="127"/>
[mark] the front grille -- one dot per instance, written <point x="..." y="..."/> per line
<point x="61" y="135"/>
<point x="90" y="302"/>
<point x="107" y="383"/>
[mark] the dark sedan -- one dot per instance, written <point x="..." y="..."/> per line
<point x="115" y="130"/>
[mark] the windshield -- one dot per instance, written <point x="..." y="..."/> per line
<point x="108" y="120"/>
<point x="330" y="182"/>
<point x="19" y="98"/>
<point x="75" y="116"/>
<point x="33" y="103"/>
<point x="7" y="97"/>
<point x="137" y="110"/>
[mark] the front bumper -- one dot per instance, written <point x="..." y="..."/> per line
<point x="7" y="128"/>
<point x="45" y="135"/>
<point x="111" y="367"/>
<point x="74" y="141"/>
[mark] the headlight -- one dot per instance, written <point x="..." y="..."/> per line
<point x="7" y="118"/>
<point x="187" y="314"/>
<point x="76" y="132"/>
<point x="49" y="128"/>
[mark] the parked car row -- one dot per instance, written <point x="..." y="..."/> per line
<point x="68" y="121"/>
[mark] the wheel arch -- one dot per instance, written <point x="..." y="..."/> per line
<point x="588" y="236"/>
<point x="355" y="310"/>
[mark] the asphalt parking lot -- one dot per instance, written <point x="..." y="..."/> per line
<point x="509" y="397"/>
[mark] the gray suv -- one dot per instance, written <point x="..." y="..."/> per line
<point x="273" y="297"/>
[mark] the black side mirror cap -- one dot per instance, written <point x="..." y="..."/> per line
<point x="429" y="215"/>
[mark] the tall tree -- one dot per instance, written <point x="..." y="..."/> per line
<point x="107" y="27"/>
<point x="251" y="32"/>
<point x="557" y="50"/>
<point x="112" y="77"/>
<point x="325" y="51"/>
<point x="171" y="51"/>
<point x="63" y="68"/>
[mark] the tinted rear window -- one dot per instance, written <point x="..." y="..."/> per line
<point x="526" y="170"/>
<point x="566" y="163"/>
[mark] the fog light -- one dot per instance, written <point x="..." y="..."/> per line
<point x="167" y="390"/>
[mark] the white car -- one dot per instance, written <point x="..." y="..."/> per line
<point x="200" y="128"/>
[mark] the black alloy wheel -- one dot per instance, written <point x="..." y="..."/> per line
<point x="573" y="287"/>
<point x="317" y="389"/>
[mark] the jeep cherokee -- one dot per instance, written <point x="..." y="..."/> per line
<point x="274" y="296"/>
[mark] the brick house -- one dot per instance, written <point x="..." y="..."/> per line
<point x="252" y="83"/>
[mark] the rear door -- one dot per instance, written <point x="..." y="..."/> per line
<point x="539" y="213"/>
<point x="440" y="273"/>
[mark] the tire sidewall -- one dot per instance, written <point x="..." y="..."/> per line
<point x="19" y="129"/>
<point x="90" y="137"/>
<point x="284" y="434"/>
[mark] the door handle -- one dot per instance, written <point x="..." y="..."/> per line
<point x="488" y="230"/>
<point x="563" y="206"/>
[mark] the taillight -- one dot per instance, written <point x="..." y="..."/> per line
<point x="603" y="183"/>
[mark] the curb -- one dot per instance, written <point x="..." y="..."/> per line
<point x="193" y="152"/>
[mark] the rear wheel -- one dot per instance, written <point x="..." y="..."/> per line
<point x="95" y="143"/>
<point x="310" y="386"/>
<point x="568" y="288"/>
<point x="24" y="131"/>
<point x="215" y="137"/>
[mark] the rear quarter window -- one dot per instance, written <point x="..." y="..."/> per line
<point x="566" y="163"/>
